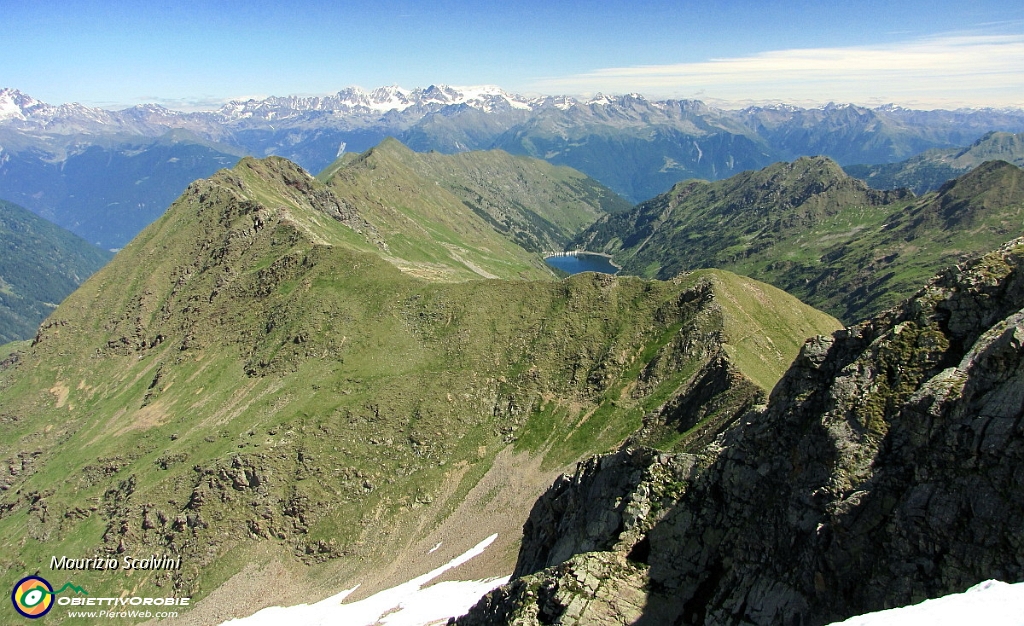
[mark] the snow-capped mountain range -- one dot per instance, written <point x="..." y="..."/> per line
<point x="394" y="109"/>
<point x="384" y="99"/>
<point x="16" y="106"/>
<point x="23" y="111"/>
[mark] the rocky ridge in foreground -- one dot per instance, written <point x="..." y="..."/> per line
<point x="885" y="469"/>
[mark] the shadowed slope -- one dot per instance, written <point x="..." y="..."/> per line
<point x="40" y="264"/>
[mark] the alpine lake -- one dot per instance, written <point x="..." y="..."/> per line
<point x="582" y="262"/>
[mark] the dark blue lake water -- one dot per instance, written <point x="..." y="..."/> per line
<point x="582" y="263"/>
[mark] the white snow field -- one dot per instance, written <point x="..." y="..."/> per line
<point x="991" y="603"/>
<point x="408" y="604"/>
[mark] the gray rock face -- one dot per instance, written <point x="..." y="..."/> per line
<point x="887" y="468"/>
<point x="608" y="504"/>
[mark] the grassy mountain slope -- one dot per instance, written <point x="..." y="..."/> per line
<point x="640" y="148"/>
<point x="253" y="381"/>
<point x="808" y="228"/>
<point x="931" y="169"/>
<point x="40" y="264"/>
<point x="537" y="205"/>
<point x="420" y="226"/>
<point x="105" y="174"/>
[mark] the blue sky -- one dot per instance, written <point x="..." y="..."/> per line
<point x="198" y="54"/>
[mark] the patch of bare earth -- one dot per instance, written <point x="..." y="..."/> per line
<point x="498" y="504"/>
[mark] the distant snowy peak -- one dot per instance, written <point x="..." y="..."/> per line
<point x="600" y="99"/>
<point x="381" y="98"/>
<point x="776" y="107"/>
<point x="892" y="108"/>
<point x="562" y="102"/>
<point x="845" y="106"/>
<point x="15" y="105"/>
<point x="149" y="109"/>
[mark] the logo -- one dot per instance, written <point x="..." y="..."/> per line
<point x="32" y="597"/>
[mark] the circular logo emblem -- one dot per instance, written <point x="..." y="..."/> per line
<point x="32" y="597"/>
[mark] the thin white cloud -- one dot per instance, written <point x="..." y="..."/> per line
<point x="949" y="70"/>
<point x="202" y="103"/>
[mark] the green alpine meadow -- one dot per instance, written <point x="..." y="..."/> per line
<point x="932" y="168"/>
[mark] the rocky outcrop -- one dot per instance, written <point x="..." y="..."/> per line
<point x="604" y="506"/>
<point x="711" y="401"/>
<point x="886" y="469"/>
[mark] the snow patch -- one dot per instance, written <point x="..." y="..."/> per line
<point x="600" y="99"/>
<point x="564" y="103"/>
<point x="992" y="603"/>
<point x="408" y="604"/>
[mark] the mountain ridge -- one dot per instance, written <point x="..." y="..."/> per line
<point x="106" y="191"/>
<point x="809" y="228"/>
<point x="16" y="105"/>
<point x="636" y="146"/>
<point x="538" y="205"/>
<point x="450" y="119"/>
<point x="931" y="169"/>
<point x="482" y="206"/>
